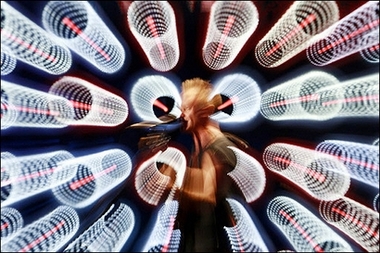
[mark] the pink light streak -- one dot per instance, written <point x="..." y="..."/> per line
<point x="160" y="105"/>
<point x="169" y="234"/>
<point x="293" y="32"/>
<point x="87" y="107"/>
<point x="26" y="177"/>
<point x="356" y="221"/>
<point x="77" y="30"/>
<point x="320" y="177"/>
<point x="42" y="237"/>
<point x="30" y="110"/>
<point x="375" y="47"/>
<point x="4" y="225"/>
<point x="349" y="36"/>
<point x="230" y="101"/>
<point x="296" y="100"/>
<point x="354" y="99"/>
<point x="358" y="162"/>
<point x="28" y="46"/>
<point x="226" y="31"/>
<point x="75" y="185"/>
<point x="302" y="231"/>
<point x="153" y="29"/>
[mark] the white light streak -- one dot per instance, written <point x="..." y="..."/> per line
<point x="243" y="93"/>
<point x="354" y="219"/>
<point x="361" y="160"/>
<point x="79" y="27"/>
<point x="248" y="174"/>
<point x="164" y="238"/>
<point x="31" y="44"/>
<point x="153" y="24"/>
<point x="25" y="107"/>
<point x="305" y="231"/>
<point x="25" y="176"/>
<point x="8" y="60"/>
<point x="46" y="234"/>
<point x="11" y="223"/>
<point x="150" y="183"/>
<point x="97" y="174"/>
<point x="243" y="236"/>
<point x="91" y="104"/>
<point x="303" y="98"/>
<point x="147" y="90"/>
<point x="294" y="30"/>
<point x="108" y="234"/>
<point x="230" y="25"/>
<point x="322" y="176"/>
<point x="349" y="35"/>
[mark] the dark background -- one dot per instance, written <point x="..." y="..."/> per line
<point x="191" y="28"/>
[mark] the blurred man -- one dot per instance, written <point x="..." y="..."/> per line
<point x="203" y="210"/>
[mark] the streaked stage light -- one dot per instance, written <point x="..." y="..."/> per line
<point x="354" y="219"/>
<point x="360" y="96"/>
<point x="163" y="237"/>
<point x="47" y="234"/>
<point x="151" y="183"/>
<point x="97" y="174"/>
<point x="305" y="231"/>
<point x="242" y="93"/>
<point x="361" y="160"/>
<point x="303" y="98"/>
<point x="248" y="174"/>
<point x="153" y="24"/>
<point x="11" y="222"/>
<point x="294" y="30"/>
<point x="91" y="104"/>
<point x="8" y="60"/>
<point x="351" y="34"/>
<point x="230" y="25"/>
<point x="371" y="54"/>
<point x="26" y="107"/>
<point x="243" y="236"/>
<point x="322" y="176"/>
<point x="107" y="234"/>
<point x="32" y="44"/>
<point x="25" y="176"/>
<point x="147" y="90"/>
<point x="79" y="27"/>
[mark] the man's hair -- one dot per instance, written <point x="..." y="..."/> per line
<point x="203" y="88"/>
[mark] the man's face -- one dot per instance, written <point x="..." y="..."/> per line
<point x="188" y="110"/>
